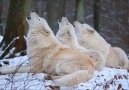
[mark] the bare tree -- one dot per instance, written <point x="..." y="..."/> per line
<point x="13" y="40"/>
<point x="61" y="8"/>
<point x="52" y="13"/>
<point x="55" y="10"/>
<point x="96" y="7"/>
<point x="79" y="12"/>
<point x="1" y="10"/>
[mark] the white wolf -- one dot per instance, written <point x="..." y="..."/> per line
<point x="88" y="37"/>
<point x="46" y="54"/>
<point x="66" y="35"/>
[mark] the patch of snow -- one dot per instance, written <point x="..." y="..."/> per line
<point x="12" y="42"/>
<point x="107" y="79"/>
<point x="1" y="37"/>
<point x="10" y="52"/>
<point x="17" y="54"/>
<point x="25" y="37"/>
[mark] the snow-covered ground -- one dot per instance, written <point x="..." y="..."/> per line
<point x="107" y="79"/>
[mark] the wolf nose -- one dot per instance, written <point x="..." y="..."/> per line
<point x="28" y="17"/>
<point x="33" y="11"/>
<point x="59" y="20"/>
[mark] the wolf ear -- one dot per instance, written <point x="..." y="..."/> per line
<point x="91" y="30"/>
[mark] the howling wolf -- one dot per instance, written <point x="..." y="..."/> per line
<point x="46" y="54"/>
<point x="66" y="35"/>
<point x="87" y="37"/>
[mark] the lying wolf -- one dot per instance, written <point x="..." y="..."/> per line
<point x="46" y="54"/>
<point x="88" y="37"/>
<point x="66" y="35"/>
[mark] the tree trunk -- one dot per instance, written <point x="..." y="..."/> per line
<point x="61" y="9"/>
<point x="79" y="12"/>
<point x="13" y="40"/>
<point x="55" y="11"/>
<point x="52" y="14"/>
<point x="96" y="14"/>
<point x="1" y="10"/>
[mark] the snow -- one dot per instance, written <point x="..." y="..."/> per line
<point x="108" y="78"/>
<point x="1" y="37"/>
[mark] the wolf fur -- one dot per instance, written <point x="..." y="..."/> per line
<point x="46" y="54"/>
<point x="88" y="37"/>
<point x="117" y="58"/>
<point x="66" y="35"/>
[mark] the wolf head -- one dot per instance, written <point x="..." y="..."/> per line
<point x="84" y="28"/>
<point x="39" y="31"/>
<point x="89" y="38"/>
<point x="35" y="22"/>
<point x="66" y="34"/>
<point x="65" y="27"/>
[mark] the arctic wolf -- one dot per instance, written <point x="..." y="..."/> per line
<point x="46" y="54"/>
<point x="66" y="35"/>
<point x="88" y="37"/>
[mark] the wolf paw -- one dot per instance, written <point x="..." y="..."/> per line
<point x="119" y="67"/>
<point x="48" y="77"/>
<point x="54" y="87"/>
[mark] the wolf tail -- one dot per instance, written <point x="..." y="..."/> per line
<point x="74" y="78"/>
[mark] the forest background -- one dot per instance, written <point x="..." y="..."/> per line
<point x="109" y="17"/>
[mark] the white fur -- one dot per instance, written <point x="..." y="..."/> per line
<point x="66" y="35"/>
<point x="117" y="58"/>
<point x="88" y="37"/>
<point x="47" y="54"/>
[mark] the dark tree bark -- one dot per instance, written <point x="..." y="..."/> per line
<point x="52" y="14"/>
<point x="15" y="28"/>
<point x="96" y="7"/>
<point x="1" y="10"/>
<point x="61" y="8"/>
<point x="55" y="11"/>
<point x="79" y="12"/>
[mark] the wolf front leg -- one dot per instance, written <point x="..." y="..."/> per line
<point x="10" y="70"/>
<point x="74" y="78"/>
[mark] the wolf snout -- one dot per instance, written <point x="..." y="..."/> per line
<point x="28" y="17"/>
<point x="59" y="20"/>
<point x="33" y="11"/>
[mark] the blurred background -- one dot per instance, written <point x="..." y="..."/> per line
<point x="109" y="17"/>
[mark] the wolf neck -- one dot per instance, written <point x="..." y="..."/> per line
<point x="59" y="44"/>
<point x="51" y="44"/>
<point x="75" y="44"/>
